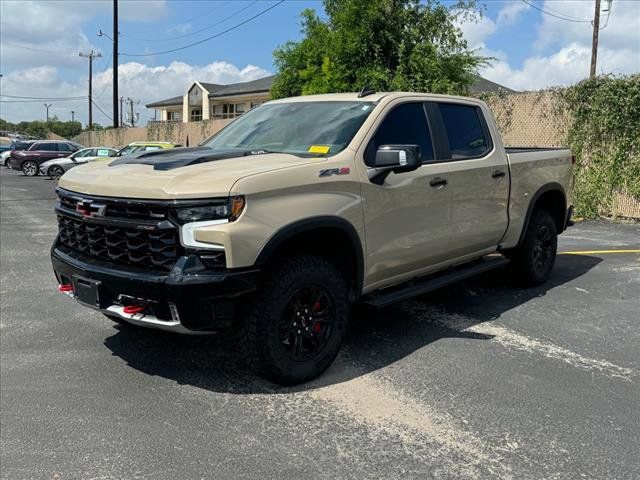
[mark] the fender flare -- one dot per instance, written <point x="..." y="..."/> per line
<point x="289" y="231"/>
<point x="547" y="187"/>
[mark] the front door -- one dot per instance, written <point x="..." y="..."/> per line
<point x="407" y="217"/>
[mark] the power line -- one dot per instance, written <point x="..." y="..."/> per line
<point x="103" y="112"/>
<point x="17" y="45"/>
<point x="52" y="99"/>
<point x="561" y="17"/>
<point x="79" y="97"/>
<point x="262" y="12"/>
<point x="190" y="34"/>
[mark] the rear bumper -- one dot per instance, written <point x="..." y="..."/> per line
<point x="189" y="299"/>
<point x="568" y="222"/>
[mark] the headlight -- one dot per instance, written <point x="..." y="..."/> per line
<point x="229" y="209"/>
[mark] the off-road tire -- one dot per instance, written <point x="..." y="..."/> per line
<point x="30" y="168"/>
<point x="532" y="262"/>
<point x="258" y="331"/>
<point x="55" y="172"/>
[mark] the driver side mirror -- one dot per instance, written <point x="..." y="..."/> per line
<point x="396" y="159"/>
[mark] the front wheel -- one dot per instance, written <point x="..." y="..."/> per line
<point x="30" y="168"/>
<point x="294" y="328"/>
<point x="55" y="172"/>
<point x="534" y="259"/>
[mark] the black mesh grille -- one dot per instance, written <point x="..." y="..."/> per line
<point x="124" y="233"/>
<point x="156" y="250"/>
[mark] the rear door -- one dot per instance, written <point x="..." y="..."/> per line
<point x="478" y="177"/>
<point x="407" y="217"/>
<point x="46" y="151"/>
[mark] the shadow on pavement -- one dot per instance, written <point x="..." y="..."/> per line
<point x="376" y="338"/>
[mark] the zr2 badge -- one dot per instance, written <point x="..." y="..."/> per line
<point x="327" y="172"/>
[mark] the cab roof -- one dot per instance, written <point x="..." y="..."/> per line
<point x="371" y="97"/>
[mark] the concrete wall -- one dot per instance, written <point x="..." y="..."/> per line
<point x="183" y="133"/>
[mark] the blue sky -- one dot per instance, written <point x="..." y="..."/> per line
<point x="40" y="41"/>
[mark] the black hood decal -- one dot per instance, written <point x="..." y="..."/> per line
<point x="181" y="157"/>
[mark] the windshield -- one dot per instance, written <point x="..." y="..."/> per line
<point x="128" y="149"/>
<point x="299" y="128"/>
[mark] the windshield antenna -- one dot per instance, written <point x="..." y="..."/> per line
<point x="366" y="90"/>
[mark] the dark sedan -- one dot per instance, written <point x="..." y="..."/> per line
<point x="29" y="160"/>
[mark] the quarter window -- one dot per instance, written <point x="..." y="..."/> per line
<point x="406" y="125"/>
<point x="65" y="147"/>
<point x="465" y="131"/>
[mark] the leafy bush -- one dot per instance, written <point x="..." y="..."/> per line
<point x="605" y="138"/>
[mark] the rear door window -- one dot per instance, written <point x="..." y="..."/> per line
<point x="465" y="129"/>
<point x="406" y="124"/>
<point x="46" y="147"/>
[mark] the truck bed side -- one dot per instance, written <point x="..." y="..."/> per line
<point x="533" y="172"/>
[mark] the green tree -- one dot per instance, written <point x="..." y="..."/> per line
<point x="385" y="44"/>
<point x="64" y="129"/>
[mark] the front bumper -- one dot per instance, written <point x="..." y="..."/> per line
<point x="188" y="299"/>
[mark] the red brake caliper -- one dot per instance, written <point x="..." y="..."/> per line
<point x="316" y="326"/>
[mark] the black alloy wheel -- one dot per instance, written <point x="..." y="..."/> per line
<point x="543" y="249"/>
<point x="55" y="172"/>
<point x="306" y="324"/>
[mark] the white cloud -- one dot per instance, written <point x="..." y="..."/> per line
<point x="511" y="13"/>
<point x="568" y="62"/>
<point x="136" y="80"/>
<point x="45" y="32"/>
<point x="621" y="32"/>
<point x="568" y="65"/>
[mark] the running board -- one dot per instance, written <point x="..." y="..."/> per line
<point x="388" y="296"/>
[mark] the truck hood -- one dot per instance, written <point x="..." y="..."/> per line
<point x="174" y="174"/>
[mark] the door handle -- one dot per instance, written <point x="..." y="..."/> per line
<point x="438" y="182"/>
<point x="498" y="174"/>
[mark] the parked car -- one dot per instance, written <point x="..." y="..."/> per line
<point x="15" y="146"/>
<point x="137" y="147"/>
<point x="56" y="167"/>
<point x="301" y="208"/>
<point x="29" y="160"/>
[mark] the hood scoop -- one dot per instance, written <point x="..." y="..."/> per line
<point x="182" y="157"/>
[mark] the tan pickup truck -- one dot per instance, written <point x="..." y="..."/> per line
<point x="278" y="224"/>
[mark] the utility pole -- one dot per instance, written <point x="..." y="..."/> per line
<point x="46" y="106"/>
<point x="133" y="117"/>
<point x="594" y="42"/>
<point x="115" y="63"/>
<point x="121" y="111"/>
<point x="73" y="119"/>
<point x="91" y="55"/>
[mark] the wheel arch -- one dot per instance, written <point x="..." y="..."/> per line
<point x="552" y="198"/>
<point x="329" y="236"/>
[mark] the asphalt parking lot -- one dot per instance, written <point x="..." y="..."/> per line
<point x="479" y="380"/>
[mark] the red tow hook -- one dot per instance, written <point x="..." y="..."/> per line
<point x="133" y="309"/>
<point x="65" y="287"/>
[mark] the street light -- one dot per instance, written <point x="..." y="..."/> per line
<point x="47" y="105"/>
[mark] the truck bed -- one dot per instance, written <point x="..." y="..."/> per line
<point x="531" y="149"/>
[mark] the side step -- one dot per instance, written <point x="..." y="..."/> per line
<point x="388" y="296"/>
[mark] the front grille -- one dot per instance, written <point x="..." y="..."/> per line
<point x="128" y="233"/>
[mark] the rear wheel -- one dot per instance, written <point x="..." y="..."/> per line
<point x="534" y="259"/>
<point x="30" y="168"/>
<point x="294" y="328"/>
<point x="55" y="172"/>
